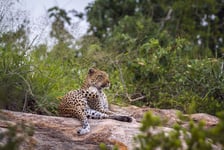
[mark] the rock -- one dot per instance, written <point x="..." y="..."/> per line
<point x="208" y="119"/>
<point x="56" y="133"/>
<point x="168" y="116"/>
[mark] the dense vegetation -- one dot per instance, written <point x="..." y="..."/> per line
<point x="159" y="54"/>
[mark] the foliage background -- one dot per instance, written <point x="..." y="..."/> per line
<point x="164" y="54"/>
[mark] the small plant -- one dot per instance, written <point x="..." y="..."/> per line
<point x="195" y="137"/>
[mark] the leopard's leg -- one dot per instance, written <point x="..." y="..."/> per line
<point x="98" y="110"/>
<point x="101" y="109"/>
<point x="81" y="115"/>
<point x="106" y="113"/>
<point x="94" y="114"/>
<point x="115" y="116"/>
<point x="85" y="127"/>
<point x="96" y="104"/>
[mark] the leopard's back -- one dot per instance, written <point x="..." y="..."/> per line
<point x="71" y="101"/>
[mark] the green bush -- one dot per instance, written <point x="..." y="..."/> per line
<point x="195" y="137"/>
<point x="13" y="78"/>
<point x="170" y="78"/>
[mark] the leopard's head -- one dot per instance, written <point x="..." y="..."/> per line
<point x="97" y="78"/>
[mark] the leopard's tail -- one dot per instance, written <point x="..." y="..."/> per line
<point x="121" y="118"/>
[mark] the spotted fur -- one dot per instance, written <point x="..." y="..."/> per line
<point x="90" y="101"/>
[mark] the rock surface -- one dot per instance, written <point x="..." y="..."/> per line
<point x="56" y="133"/>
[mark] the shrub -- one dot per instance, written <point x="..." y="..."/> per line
<point x="170" y="78"/>
<point x="195" y="137"/>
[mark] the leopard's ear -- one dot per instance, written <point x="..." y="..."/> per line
<point x="91" y="71"/>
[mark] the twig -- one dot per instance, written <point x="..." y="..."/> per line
<point x="222" y="67"/>
<point x="27" y="83"/>
<point x="122" y="80"/>
<point x="25" y="102"/>
<point x="138" y="98"/>
<point x="29" y="46"/>
<point x="168" y="17"/>
<point x="29" y="91"/>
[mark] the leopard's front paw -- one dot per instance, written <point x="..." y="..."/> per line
<point x="83" y="131"/>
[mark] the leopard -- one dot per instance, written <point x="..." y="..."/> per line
<point x="90" y="101"/>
